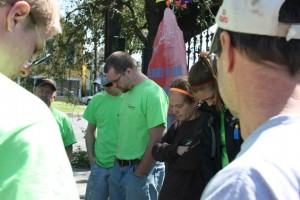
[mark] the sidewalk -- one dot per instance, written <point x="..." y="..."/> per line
<point x="81" y="176"/>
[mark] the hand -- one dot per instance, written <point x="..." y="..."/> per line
<point x="92" y="160"/>
<point x="137" y="173"/>
<point x="164" y="144"/>
<point x="182" y="149"/>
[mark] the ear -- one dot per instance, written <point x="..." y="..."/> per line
<point x="17" y="14"/>
<point x="227" y="51"/>
<point x="128" y="70"/>
<point x="53" y="97"/>
<point x="24" y="71"/>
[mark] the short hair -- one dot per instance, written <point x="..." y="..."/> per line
<point x="45" y="12"/>
<point x="203" y="75"/>
<point x="119" y="61"/>
<point x="261" y="48"/>
<point x="183" y="84"/>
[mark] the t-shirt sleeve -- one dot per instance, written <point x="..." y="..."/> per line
<point x="157" y="108"/>
<point x="69" y="136"/>
<point x="88" y="114"/>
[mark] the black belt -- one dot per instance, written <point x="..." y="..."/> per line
<point x="128" y="162"/>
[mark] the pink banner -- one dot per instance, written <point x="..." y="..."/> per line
<point x="168" y="60"/>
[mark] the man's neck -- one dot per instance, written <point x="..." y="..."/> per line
<point x="270" y="95"/>
<point x="115" y="94"/>
<point x="138" y="78"/>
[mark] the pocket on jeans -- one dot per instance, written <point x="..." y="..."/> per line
<point x="94" y="166"/>
<point x="145" y="175"/>
<point x="133" y="168"/>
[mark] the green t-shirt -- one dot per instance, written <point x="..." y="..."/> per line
<point x="33" y="164"/>
<point x="65" y="126"/>
<point x="143" y="107"/>
<point x="103" y="112"/>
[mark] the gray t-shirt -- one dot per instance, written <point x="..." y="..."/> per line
<point x="267" y="167"/>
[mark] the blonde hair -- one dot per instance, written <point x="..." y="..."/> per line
<point x="45" y="12"/>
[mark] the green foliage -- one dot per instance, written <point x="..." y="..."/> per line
<point x="68" y="107"/>
<point x="134" y="28"/>
<point x="80" y="159"/>
<point x="83" y="22"/>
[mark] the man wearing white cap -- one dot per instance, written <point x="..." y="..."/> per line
<point x="258" y="46"/>
<point x="102" y="113"/>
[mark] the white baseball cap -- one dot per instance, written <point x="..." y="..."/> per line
<point x="258" y="17"/>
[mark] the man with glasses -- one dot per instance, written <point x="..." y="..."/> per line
<point x="143" y="121"/>
<point x="33" y="162"/>
<point x="102" y="113"/>
<point x="258" y="45"/>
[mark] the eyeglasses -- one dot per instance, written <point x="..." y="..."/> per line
<point x="117" y="80"/>
<point x="38" y="33"/>
<point x="108" y="84"/>
<point x="38" y="60"/>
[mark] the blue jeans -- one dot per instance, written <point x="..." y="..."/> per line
<point x="97" y="185"/>
<point x="124" y="185"/>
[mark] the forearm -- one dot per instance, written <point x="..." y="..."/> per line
<point x="164" y="152"/>
<point x="146" y="161"/>
<point x="69" y="151"/>
<point x="156" y="134"/>
<point x="90" y="143"/>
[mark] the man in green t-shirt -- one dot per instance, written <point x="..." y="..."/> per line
<point x="143" y="121"/>
<point x="102" y="114"/>
<point x="45" y="89"/>
<point x="33" y="163"/>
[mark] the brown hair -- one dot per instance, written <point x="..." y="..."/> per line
<point x="119" y="61"/>
<point x="183" y="84"/>
<point x="203" y="75"/>
<point x="45" y="13"/>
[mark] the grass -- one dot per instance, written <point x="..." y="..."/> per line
<point x="68" y="107"/>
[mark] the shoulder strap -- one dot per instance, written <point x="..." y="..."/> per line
<point x="213" y="137"/>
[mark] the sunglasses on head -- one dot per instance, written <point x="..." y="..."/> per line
<point x="108" y="84"/>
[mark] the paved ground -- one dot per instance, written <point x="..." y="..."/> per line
<point x="80" y="175"/>
<point x="79" y="126"/>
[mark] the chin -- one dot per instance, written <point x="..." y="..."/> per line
<point x="124" y="90"/>
<point x="179" y="118"/>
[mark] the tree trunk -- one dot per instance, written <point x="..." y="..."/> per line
<point x="154" y="14"/>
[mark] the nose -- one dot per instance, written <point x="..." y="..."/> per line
<point x="209" y="102"/>
<point x="174" y="111"/>
<point x="25" y="70"/>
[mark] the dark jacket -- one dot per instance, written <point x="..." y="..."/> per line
<point x="184" y="177"/>
<point x="211" y="133"/>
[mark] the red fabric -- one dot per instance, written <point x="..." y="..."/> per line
<point x="168" y="60"/>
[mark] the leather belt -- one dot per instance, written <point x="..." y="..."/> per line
<point x="128" y="162"/>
